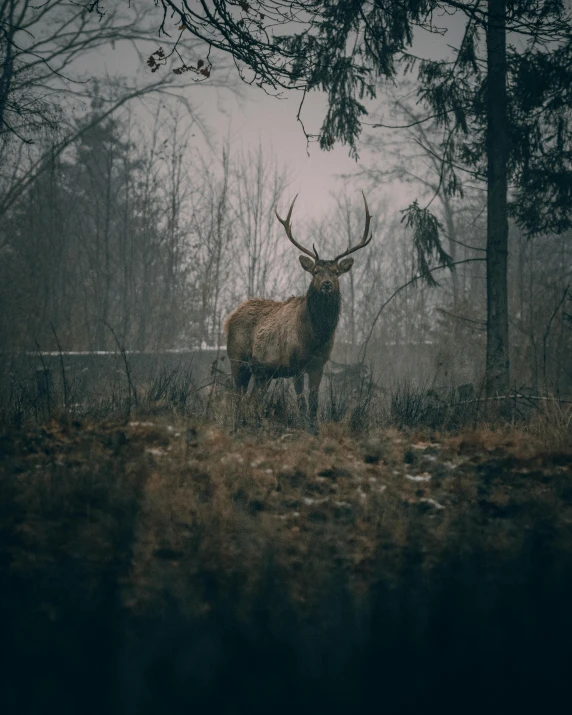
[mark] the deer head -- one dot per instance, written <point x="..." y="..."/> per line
<point x="325" y="273"/>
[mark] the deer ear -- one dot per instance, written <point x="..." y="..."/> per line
<point x="307" y="263"/>
<point x="345" y="265"/>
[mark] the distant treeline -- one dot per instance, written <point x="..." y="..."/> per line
<point x="135" y="242"/>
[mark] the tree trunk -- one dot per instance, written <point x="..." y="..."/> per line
<point x="497" y="367"/>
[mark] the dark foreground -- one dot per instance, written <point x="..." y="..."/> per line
<point x="162" y="568"/>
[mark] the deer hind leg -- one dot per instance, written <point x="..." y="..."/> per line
<point x="259" y="389"/>
<point x="241" y="374"/>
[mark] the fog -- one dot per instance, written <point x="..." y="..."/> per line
<point x="259" y="456"/>
<point x="138" y="212"/>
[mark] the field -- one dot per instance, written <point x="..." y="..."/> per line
<point x="157" y="563"/>
<point x="173" y="242"/>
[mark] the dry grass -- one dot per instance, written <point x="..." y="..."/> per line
<point x="161" y="522"/>
<point x="209" y="503"/>
<point x="551" y="424"/>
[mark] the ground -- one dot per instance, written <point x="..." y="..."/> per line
<point x="160" y="516"/>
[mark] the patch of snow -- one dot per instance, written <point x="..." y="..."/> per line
<point x="286" y="516"/>
<point x="432" y="502"/>
<point x="310" y="500"/>
<point x="418" y="478"/>
<point x="425" y="445"/>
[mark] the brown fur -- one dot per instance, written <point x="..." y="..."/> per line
<point x="271" y="339"/>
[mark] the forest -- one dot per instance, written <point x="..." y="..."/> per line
<point x="170" y="544"/>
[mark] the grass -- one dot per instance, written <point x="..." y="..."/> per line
<point x="157" y="557"/>
<point x="352" y="398"/>
<point x="165" y="564"/>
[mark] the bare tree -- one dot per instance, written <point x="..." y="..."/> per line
<point x="258" y="185"/>
<point x="39" y="46"/>
<point x="211" y="254"/>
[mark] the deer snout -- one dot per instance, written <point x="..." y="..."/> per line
<point x="326" y="286"/>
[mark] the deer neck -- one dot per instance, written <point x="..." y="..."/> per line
<point x="323" y="310"/>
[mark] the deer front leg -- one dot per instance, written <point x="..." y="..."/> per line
<point x="260" y="388"/>
<point x="314" y="380"/>
<point x="241" y="377"/>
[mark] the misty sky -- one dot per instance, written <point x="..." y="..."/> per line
<point x="259" y="118"/>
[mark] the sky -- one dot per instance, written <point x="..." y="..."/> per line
<point x="257" y="118"/>
<point x="272" y="123"/>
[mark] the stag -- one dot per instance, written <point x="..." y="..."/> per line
<point x="268" y="339"/>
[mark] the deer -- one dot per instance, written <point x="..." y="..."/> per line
<point x="271" y="339"/>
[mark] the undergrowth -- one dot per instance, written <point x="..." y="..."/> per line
<point x="164" y="548"/>
<point x="170" y="565"/>
<point x="355" y="400"/>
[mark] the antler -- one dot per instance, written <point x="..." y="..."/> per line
<point x="288" y="229"/>
<point x="363" y="241"/>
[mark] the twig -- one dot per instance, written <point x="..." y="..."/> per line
<point x="513" y="396"/>
<point x="462" y="317"/>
